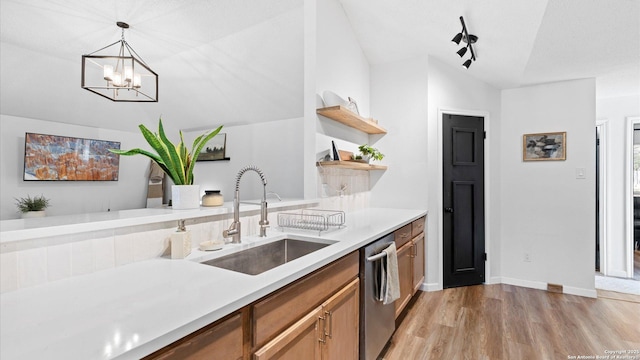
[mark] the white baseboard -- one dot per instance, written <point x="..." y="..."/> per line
<point x="430" y="287"/>
<point x="524" y="283"/>
<point x="618" y="273"/>
<point x="580" y="291"/>
<point x="543" y="286"/>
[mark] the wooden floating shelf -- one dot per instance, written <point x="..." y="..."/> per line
<point x="343" y="115"/>
<point x="354" y="165"/>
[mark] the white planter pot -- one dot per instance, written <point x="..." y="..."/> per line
<point x="185" y="197"/>
<point x="33" y="214"/>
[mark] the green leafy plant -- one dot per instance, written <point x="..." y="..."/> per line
<point x="36" y="203"/>
<point x="174" y="159"/>
<point x="367" y="150"/>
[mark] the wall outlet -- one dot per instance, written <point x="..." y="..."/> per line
<point x="526" y="257"/>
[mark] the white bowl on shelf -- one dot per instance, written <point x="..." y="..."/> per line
<point x="332" y="99"/>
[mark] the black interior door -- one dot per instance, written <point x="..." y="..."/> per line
<point x="463" y="200"/>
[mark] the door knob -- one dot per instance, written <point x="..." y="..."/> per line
<point x="448" y="209"/>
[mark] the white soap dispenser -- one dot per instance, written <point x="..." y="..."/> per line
<point x="181" y="242"/>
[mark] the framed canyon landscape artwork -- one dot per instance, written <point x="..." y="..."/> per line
<point x="64" y="158"/>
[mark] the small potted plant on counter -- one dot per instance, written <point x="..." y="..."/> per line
<point x="368" y="153"/>
<point x="31" y="207"/>
<point x="176" y="161"/>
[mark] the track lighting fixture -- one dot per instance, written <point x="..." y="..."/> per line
<point x="470" y="39"/>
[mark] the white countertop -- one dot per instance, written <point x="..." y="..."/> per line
<point x="23" y="229"/>
<point x="130" y="311"/>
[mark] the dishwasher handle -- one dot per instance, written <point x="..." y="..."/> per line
<point x="377" y="256"/>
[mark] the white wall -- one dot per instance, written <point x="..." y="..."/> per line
<point x="615" y="111"/>
<point x="275" y="147"/>
<point x="69" y="197"/>
<point x="454" y="89"/>
<point x="546" y="211"/>
<point x="341" y="66"/>
<point x="399" y="101"/>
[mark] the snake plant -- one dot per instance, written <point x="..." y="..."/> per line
<point x="175" y="160"/>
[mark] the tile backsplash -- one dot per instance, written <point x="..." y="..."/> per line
<point x="37" y="261"/>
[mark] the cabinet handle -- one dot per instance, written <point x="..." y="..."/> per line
<point x="330" y="315"/>
<point x="323" y="333"/>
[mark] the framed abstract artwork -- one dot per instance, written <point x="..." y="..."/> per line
<point x="544" y="146"/>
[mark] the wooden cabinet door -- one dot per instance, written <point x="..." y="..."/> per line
<point x="220" y="341"/>
<point x="341" y="313"/>
<point x="405" y="273"/>
<point x="418" y="262"/>
<point x="301" y="340"/>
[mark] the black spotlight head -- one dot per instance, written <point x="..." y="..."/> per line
<point x="467" y="63"/>
<point x="462" y="51"/>
<point x="456" y="39"/>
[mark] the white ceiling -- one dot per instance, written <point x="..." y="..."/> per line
<point x="219" y="62"/>
<point x="241" y="61"/>
<point x="521" y="42"/>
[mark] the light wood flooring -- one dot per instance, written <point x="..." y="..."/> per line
<point x="508" y="322"/>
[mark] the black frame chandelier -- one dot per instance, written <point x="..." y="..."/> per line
<point x="467" y="38"/>
<point x="121" y="77"/>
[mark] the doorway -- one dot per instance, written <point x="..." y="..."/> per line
<point x="633" y="198"/>
<point x="597" y="199"/>
<point x="618" y="279"/>
<point x="463" y="200"/>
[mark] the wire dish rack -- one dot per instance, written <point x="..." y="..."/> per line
<point x="316" y="219"/>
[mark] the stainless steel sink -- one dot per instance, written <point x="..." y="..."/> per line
<point x="261" y="258"/>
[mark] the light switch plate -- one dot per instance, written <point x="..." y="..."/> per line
<point x="581" y="173"/>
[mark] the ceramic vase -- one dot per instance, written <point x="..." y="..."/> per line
<point x="185" y="197"/>
<point x="33" y="214"/>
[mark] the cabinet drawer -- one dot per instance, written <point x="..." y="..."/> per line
<point x="402" y="235"/>
<point x="417" y="227"/>
<point x="222" y="340"/>
<point x="281" y="309"/>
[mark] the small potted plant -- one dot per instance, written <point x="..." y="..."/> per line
<point x="176" y="161"/>
<point x="32" y="206"/>
<point x="368" y="153"/>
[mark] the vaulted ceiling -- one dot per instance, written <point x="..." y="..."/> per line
<point x="241" y="61"/>
<point x="521" y="42"/>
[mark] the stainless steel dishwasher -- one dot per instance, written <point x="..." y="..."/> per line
<point x="377" y="321"/>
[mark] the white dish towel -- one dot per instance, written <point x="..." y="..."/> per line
<point x="391" y="280"/>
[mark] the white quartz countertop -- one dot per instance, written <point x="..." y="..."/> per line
<point x="131" y="311"/>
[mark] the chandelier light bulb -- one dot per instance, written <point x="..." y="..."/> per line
<point x="117" y="79"/>
<point x="137" y="81"/>
<point x="128" y="73"/>
<point x="108" y="72"/>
